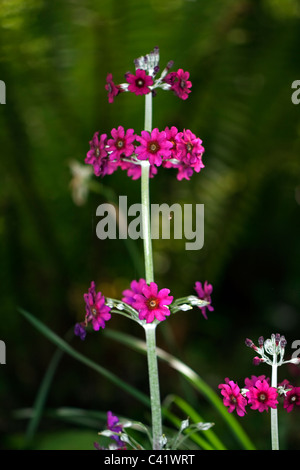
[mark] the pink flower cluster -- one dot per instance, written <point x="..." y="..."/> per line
<point x="204" y="293"/>
<point x="144" y="80"/>
<point x="180" y="83"/>
<point x="169" y="148"/>
<point x="149" y="302"/>
<point x="97" y="312"/>
<point x="258" y="394"/>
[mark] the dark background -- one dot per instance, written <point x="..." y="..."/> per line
<point x="242" y="57"/>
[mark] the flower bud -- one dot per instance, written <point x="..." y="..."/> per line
<point x="250" y="344"/>
<point x="283" y="342"/>
<point x="261" y="341"/>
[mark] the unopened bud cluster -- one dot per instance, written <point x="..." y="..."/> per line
<point x="145" y="79"/>
<point x="274" y="347"/>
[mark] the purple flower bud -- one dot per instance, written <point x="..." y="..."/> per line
<point x="261" y="341"/>
<point x="170" y="64"/>
<point x="250" y="344"/>
<point x="257" y="361"/>
<point x="283" y="342"/>
<point x="80" y="331"/>
<point x="156" y="69"/>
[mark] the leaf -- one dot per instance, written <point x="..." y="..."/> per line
<point x="193" y="378"/>
<point x="64" y="346"/>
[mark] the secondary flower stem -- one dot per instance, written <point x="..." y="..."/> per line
<point x="274" y="415"/>
<point x="154" y="386"/>
<point x="150" y="328"/>
<point x="148" y="112"/>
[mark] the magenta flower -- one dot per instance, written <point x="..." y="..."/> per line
<point x="171" y="135"/>
<point x="154" y="147"/>
<point x="190" y="149"/>
<point x="204" y="293"/>
<point x="113" y="90"/>
<point x="261" y="397"/>
<point x="139" y="83"/>
<point x="252" y="381"/>
<point x="292" y="399"/>
<point x="97" y="148"/>
<point x="180" y="83"/>
<point x="112" y="422"/>
<point x="114" y="426"/>
<point x="233" y="397"/>
<point x="98" y="156"/>
<point x="285" y="385"/>
<point x="97" y="313"/>
<point x="257" y="360"/>
<point x="152" y="303"/>
<point x="136" y="287"/>
<point x="121" y="143"/>
<point x="184" y="172"/>
<point x="186" y="153"/>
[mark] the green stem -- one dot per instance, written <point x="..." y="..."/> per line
<point x="148" y="258"/>
<point x="146" y="221"/>
<point x="154" y="386"/>
<point x="274" y="413"/>
<point x="148" y="112"/>
<point x="150" y="328"/>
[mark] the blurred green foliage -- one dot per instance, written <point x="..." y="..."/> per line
<point x="243" y="56"/>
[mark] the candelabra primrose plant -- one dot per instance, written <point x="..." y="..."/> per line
<point x="144" y="302"/>
<point x="140" y="156"/>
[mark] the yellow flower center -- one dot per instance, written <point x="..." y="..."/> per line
<point x="120" y="143"/>
<point x="152" y="303"/>
<point x="153" y="147"/>
<point x="262" y="397"/>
